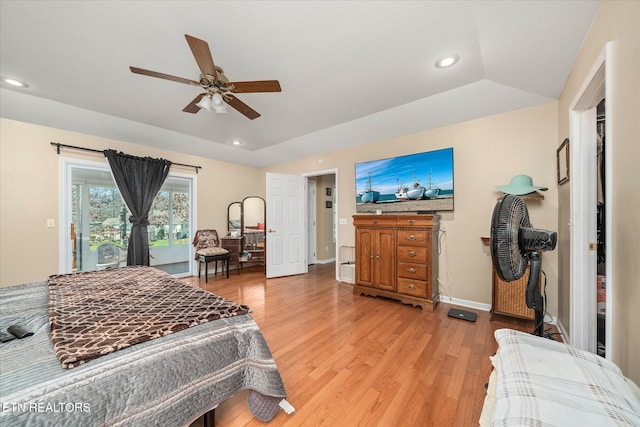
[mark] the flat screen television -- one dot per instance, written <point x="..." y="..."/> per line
<point x="420" y="182"/>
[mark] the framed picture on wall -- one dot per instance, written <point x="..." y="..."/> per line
<point x="328" y="204"/>
<point x="328" y="191"/>
<point x="563" y="161"/>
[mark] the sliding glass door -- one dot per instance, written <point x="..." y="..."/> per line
<point x="98" y="221"/>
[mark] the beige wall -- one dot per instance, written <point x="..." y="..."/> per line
<point x="30" y="193"/>
<point x="617" y="22"/>
<point x="325" y="246"/>
<point x="487" y="152"/>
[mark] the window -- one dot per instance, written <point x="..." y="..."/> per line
<point x="99" y="219"/>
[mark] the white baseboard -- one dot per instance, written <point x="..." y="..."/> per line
<point x="565" y="336"/>
<point x="325" y="261"/>
<point x="487" y="307"/>
<point x="465" y="303"/>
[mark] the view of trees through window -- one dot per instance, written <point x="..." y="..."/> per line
<point x="108" y="216"/>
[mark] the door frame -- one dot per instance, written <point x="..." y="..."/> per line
<point x="583" y="181"/>
<point x="312" y="189"/>
<point x="64" y="245"/>
<point x="336" y="206"/>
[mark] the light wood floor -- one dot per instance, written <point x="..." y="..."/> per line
<point x="359" y="361"/>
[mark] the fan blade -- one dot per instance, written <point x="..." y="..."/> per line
<point x="192" y="107"/>
<point x="256" y="86"/>
<point x="242" y="107"/>
<point x="144" y="72"/>
<point x="202" y="53"/>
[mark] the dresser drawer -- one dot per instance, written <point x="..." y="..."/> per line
<point x="410" y="270"/>
<point x="413" y="238"/>
<point x="231" y="245"/>
<point x="415" y="221"/>
<point x="414" y="254"/>
<point x="416" y="288"/>
<point x="374" y="221"/>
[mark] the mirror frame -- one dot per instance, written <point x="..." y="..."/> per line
<point x="229" y="217"/>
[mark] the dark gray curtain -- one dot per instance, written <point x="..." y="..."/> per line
<point x="138" y="179"/>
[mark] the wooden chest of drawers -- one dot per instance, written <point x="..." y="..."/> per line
<point x="394" y="258"/>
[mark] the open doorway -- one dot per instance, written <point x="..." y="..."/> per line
<point x="586" y="232"/>
<point x="322" y="209"/>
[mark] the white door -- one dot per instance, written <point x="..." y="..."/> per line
<point x="286" y="231"/>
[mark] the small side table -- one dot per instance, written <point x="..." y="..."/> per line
<point x="206" y="259"/>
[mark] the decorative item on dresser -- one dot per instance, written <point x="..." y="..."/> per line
<point x="395" y="258"/>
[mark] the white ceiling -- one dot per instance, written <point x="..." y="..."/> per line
<point x="351" y="72"/>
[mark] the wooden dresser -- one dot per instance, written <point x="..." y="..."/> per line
<point x="234" y="246"/>
<point x="395" y="258"/>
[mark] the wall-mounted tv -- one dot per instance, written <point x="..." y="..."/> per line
<point x="421" y="182"/>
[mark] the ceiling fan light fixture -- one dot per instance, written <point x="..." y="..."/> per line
<point x="205" y="103"/>
<point x="218" y="104"/>
<point x="447" y="61"/>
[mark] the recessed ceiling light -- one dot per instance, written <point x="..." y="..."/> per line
<point x="236" y="143"/>
<point x="447" y="61"/>
<point x="14" y="82"/>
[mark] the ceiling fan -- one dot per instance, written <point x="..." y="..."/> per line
<point x="218" y="89"/>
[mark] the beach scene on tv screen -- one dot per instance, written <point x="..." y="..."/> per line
<point x="412" y="183"/>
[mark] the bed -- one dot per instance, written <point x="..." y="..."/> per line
<point x="540" y="382"/>
<point x="169" y="380"/>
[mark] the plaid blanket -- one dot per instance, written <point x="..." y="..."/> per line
<point x="546" y="383"/>
<point x="97" y="312"/>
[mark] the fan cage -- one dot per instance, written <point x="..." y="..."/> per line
<point x="509" y="215"/>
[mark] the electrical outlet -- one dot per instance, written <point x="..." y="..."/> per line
<point x="51" y="223"/>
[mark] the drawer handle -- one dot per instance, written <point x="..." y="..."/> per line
<point x="411" y="270"/>
<point x="375" y="221"/>
<point x="412" y="221"/>
<point x="412" y="237"/>
<point x="411" y="286"/>
<point x="411" y="254"/>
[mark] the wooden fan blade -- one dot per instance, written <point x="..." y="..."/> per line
<point x="202" y="53"/>
<point x="256" y="86"/>
<point x="163" y="76"/>
<point x="192" y="107"/>
<point x="242" y="107"/>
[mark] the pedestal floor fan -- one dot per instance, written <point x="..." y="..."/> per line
<point x="515" y="243"/>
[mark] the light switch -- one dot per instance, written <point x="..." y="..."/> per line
<point x="51" y="222"/>
<point x="343" y="221"/>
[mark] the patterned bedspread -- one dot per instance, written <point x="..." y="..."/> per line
<point x="168" y="381"/>
<point x="97" y="312"/>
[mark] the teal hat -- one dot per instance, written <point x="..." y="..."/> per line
<point x="519" y="185"/>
